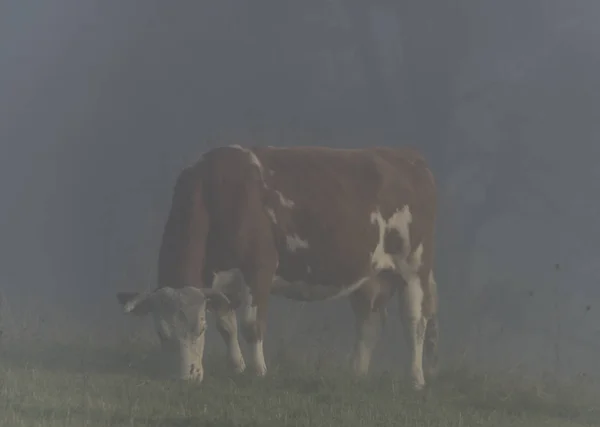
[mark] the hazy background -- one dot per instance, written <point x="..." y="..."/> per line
<point x="103" y="102"/>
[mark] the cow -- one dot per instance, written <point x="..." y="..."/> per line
<point x="306" y="223"/>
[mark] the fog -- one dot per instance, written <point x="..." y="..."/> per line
<point x="103" y="103"/>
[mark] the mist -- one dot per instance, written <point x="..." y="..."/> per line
<point x="103" y="103"/>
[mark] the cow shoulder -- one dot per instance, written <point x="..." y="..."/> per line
<point x="240" y="229"/>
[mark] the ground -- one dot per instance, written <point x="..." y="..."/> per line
<point x="78" y="384"/>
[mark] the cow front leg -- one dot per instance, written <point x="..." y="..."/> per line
<point x="228" y="329"/>
<point x="253" y="329"/>
<point x="368" y="328"/>
<point x="255" y="318"/>
<point x="415" y="324"/>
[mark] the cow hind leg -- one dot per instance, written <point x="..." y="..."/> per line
<point x="369" y="322"/>
<point x="228" y="329"/>
<point x="430" y="308"/>
<point x="430" y="350"/>
<point x="415" y="325"/>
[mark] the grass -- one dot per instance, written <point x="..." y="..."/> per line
<point x="77" y="384"/>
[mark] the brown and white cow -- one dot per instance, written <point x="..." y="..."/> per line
<point x="305" y="223"/>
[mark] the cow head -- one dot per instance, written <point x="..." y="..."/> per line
<point x="180" y="320"/>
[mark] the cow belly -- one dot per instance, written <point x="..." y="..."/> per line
<point x="302" y="291"/>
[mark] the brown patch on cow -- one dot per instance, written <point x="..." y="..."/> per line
<point x="326" y="201"/>
<point x="125" y="297"/>
<point x="182" y="249"/>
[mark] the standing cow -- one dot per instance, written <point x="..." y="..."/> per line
<point x="305" y="223"/>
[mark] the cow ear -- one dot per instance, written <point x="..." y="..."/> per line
<point x="132" y="302"/>
<point x="216" y="301"/>
<point x="230" y="283"/>
<point x="140" y="304"/>
<point x="125" y="297"/>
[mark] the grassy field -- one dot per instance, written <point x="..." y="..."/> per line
<point x="75" y="384"/>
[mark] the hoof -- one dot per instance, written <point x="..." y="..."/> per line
<point x="195" y="374"/>
<point x="239" y="366"/>
<point x="261" y="370"/>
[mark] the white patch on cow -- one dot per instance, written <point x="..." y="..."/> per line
<point x="191" y="352"/>
<point x="308" y="269"/>
<point x="294" y="242"/>
<point x="400" y="222"/>
<point x="414" y="293"/>
<point x="415" y="324"/>
<point x="226" y="280"/>
<point x="302" y="291"/>
<point x="228" y="329"/>
<point x="230" y="281"/>
<point x="257" y="352"/>
<point x="412" y="312"/>
<point x="412" y="265"/>
<point x="285" y="202"/>
<point x="250" y="312"/>
<point x="271" y="214"/>
<point x="253" y="159"/>
<point x="432" y="278"/>
<point x="258" y="358"/>
<point x="417" y="255"/>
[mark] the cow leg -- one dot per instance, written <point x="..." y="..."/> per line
<point x="255" y="319"/>
<point x="368" y="328"/>
<point x="415" y="324"/>
<point x="430" y="308"/>
<point x="253" y="329"/>
<point x="228" y="329"/>
<point x="430" y="350"/>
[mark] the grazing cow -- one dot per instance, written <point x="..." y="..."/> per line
<point x="305" y="223"/>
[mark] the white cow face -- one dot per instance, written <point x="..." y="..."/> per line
<point x="180" y="321"/>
